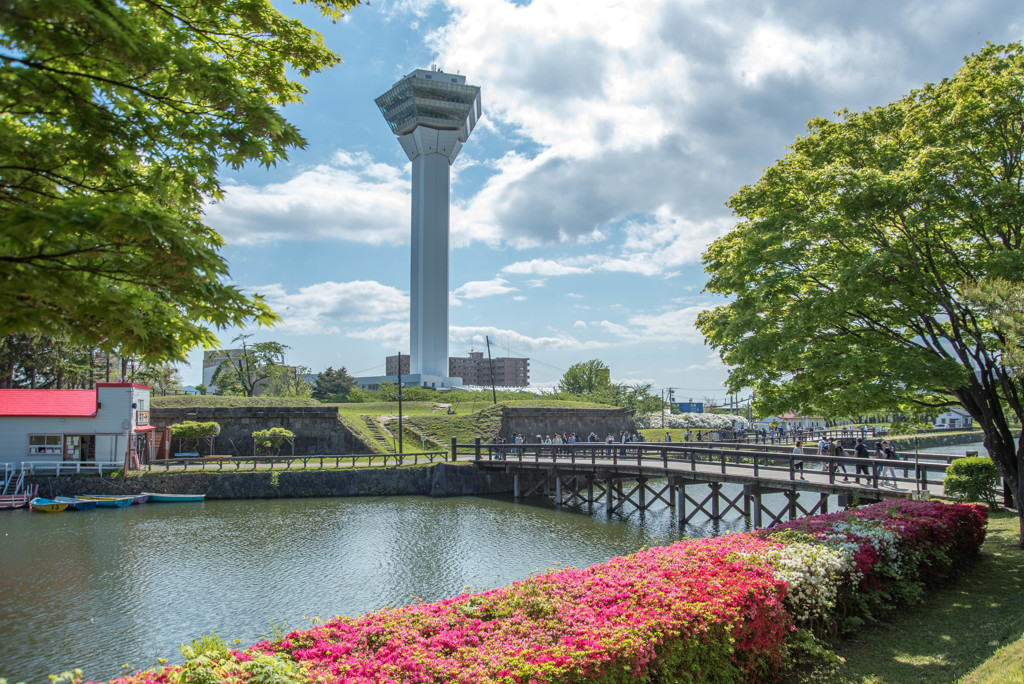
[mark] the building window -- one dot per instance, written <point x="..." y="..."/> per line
<point x="46" y="445"/>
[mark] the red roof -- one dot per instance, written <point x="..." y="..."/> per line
<point x="48" y="402"/>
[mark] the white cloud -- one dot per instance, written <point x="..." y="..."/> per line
<point x="514" y="340"/>
<point x="329" y="307"/>
<point x="476" y="289"/>
<point x="669" y="326"/>
<point x="353" y="198"/>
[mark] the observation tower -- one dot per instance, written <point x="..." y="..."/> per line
<point x="432" y="113"/>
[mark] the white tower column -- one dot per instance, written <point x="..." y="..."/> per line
<point x="432" y="113"/>
<point x="432" y="153"/>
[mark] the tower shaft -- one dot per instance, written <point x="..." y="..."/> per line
<point x="428" y="287"/>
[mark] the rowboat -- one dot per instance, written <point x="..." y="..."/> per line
<point x="104" y="501"/>
<point x="46" y="505"/>
<point x="77" y="504"/>
<point x="140" y="498"/>
<point x="155" y="497"/>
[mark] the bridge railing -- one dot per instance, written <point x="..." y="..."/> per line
<point x="300" y="462"/>
<point x="927" y="468"/>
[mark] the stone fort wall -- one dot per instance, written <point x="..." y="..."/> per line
<point x="531" y="422"/>
<point x="317" y="428"/>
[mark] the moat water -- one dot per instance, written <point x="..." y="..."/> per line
<point x="110" y="587"/>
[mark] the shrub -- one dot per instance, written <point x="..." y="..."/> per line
<point x="972" y="479"/>
<point x="191" y="432"/>
<point x="191" y="429"/>
<point x="272" y="439"/>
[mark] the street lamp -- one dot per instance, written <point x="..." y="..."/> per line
<point x="399" y="404"/>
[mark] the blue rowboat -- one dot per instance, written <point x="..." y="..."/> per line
<point x="46" y="505"/>
<point x="172" y="498"/>
<point x="104" y="501"/>
<point x="76" y="504"/>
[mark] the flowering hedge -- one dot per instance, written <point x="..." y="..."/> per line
<point x="694" y="421"/>
<point x="717" y="609"/>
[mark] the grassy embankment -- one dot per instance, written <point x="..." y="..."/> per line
<point x="428" y="423"/>
<point x="969" y="631"/>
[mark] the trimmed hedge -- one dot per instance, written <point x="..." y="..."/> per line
<point x="972" y="479"/>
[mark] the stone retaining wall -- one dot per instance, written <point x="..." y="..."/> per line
<point x="531" y="422"/>
<point x="317" y="428"/>
<point x="439" y="479"/>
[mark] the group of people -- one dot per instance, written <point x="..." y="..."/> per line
<point x="557" y="440"/>
<point x="827" y="446"/>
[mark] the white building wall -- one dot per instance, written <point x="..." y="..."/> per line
<point x="114" y="420"/>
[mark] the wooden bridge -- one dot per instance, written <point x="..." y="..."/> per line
<point x="644" y="475"/>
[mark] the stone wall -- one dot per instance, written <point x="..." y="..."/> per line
<point x="439" y="479"/>
<point x="531" y="422"/>
<point x="317" y="428"/>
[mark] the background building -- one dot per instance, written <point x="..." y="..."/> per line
<point x="475" y="369"/>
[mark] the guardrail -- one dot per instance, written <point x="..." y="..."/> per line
<point x="67" y="467"/>
<point x="318" y="461"/>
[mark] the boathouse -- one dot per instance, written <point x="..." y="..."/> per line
<point x="101" y="425"/>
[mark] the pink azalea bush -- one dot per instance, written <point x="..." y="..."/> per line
<point x="717" y="609"/>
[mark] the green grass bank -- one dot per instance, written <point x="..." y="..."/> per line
<point x="971" y="631"/>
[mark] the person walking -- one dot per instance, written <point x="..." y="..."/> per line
<point x="888" y="471"/>
<point x="799" y="465"/>
<point x="839" y="452"/>
<point x="861" y="451"/>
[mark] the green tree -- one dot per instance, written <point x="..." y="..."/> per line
<point x="288" y="381"/>
<point x="845" y="273"/>
<point x="115" y="117"/>
<point x="162" y="378"/>
<point x="1003" y="303"/>
<point x="333" y="386"/>
<point x="36" y="361"/>
<point x="586" y="377"/>
<point x="244" y="369"/>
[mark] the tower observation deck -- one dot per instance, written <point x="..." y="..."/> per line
<point x="433" y="114"/>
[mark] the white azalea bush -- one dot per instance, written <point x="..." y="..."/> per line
<point x="694" y="421"/>
<point x="815" y="573"/>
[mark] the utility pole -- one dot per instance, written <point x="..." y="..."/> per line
<point x="490" y="364"/>
<point x="399" y="403"/>
<point x="662" y="408"/>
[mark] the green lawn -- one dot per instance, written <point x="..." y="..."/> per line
<point x="968" y="631"/>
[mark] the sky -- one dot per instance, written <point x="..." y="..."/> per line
<point x="613" y="134"/>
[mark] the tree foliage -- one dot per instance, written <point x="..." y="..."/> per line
<point x="246" y="368"/>
<point x="271" y="440"/>
<point x="591" y="381"/>
<point x="845" y="273"/>
<point x="1003" y="303"/>
<point x="115" y="116"/>
<point x="586" y="377"/>
<point x="333" y="386"/>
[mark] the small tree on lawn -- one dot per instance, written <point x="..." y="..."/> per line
<point x="270" y="441"/>
<point x="190" y="433"/>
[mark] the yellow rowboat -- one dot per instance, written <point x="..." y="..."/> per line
<point x="46" y="505"/>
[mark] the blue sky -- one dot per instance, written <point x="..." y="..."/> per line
<point x="613" y="134"/>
